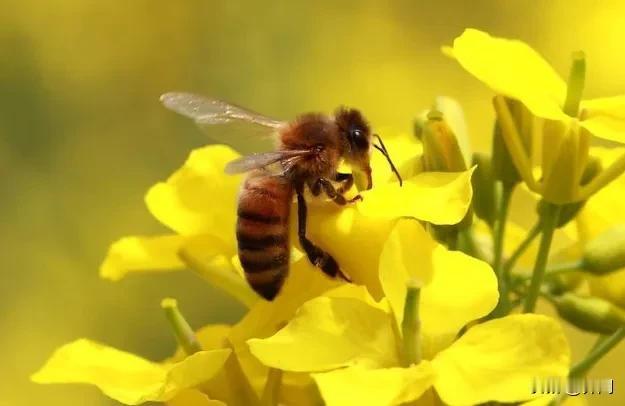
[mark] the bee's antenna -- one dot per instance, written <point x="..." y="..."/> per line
<point x="382" y="149"/>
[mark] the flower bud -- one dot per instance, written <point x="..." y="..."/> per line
<point x="504" y="168"/>
<point x="483" y="184"/>
<point x="589" y="313"/>
<point x="605" y="253"/>
<point x="441" y="152"/>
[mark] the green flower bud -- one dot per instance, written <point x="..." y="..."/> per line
<point x="441" y="152"/>
<point x="589" y="313"/>
<point x="570" y="210"/>
<point x="483" y="184"/>
<point x="605" y="253"/>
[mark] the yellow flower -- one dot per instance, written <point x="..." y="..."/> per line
<point x="203" y="239"/>
<point x="125" y="377"/>
<point x="513" y="69"/>
<point x="224" y="371"/>
<point x="352" y="344"/>
<point x="198" y="203"/>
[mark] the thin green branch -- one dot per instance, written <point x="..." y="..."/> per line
<point x="548" y="226"/>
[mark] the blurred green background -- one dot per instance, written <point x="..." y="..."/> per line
<point x="82" y="134"/>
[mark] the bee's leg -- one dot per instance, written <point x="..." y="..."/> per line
<point x="335" y="195"/>
<point x="346" y="180"/>
<point x="315" y="188"/>
<point x="316" y="255"/>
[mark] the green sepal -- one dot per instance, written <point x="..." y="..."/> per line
<point x="483" y="184"/>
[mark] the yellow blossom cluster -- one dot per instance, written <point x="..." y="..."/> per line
<point x="432" y="314"/>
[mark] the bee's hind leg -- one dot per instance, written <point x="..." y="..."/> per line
<point x="316" y="255"/>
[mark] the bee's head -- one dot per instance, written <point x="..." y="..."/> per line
<point x="356" y="135"/>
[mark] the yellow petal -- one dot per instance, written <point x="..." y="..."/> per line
<point x="199" y="198"/>
<point x="605" y="117"/>
<point x="344" y="231"/>
<point x="462" y="289"/>
<point x="407" y="255"/>
<point x="380" y="387"/>
<point x="514" y="69"/>
<point x="303" y="283"/>
<point x="192" y="397"/>
<point x="457" y="288"/>
<point x="439" y="198"/>
<point x="141" y="254"/>
<point x="212" y="259"/>
<point x="606" y="127"/>
<point x="266" y="318"/>
<point x="498" y="360"/>
<point x="546" y="400"/>
<point x="328" y="333"/>
<point x="125" y="377"/>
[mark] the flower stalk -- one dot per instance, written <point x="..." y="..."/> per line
<point x="523" y="246"/>
<point x="602" y="348"/>
<point x="548" y="226"/>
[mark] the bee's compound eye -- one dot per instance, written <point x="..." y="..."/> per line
<point x="358" y="139"/>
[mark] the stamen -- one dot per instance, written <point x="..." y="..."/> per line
<point x="183" y="332"/>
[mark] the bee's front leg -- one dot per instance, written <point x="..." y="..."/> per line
<point x="346" y="180"/>
<point x="336" y="196"/>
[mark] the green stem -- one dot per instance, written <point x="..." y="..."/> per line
<point x="575" y="85"/>
<point x="597" y="343"/>
<point x="411" y="326"/>
<point x="601" y="348"/>
<point x="529" y="238"/>
<point x="466" y="242"/>
<point x="499" y="232"/>
<point x="271" y="392"/>
<point x="548" y="225"/>
<point x="500" y="227"/>
<point x="564" y="268"/>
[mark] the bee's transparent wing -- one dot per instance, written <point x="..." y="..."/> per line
<point x="208" y="111"/>
<point x="239" y="134"/>
<point x="276" y="162"/>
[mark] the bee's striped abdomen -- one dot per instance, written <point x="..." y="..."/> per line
<point x="263" y="231"/>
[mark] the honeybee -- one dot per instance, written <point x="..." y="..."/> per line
<point x="309" y="150"/>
